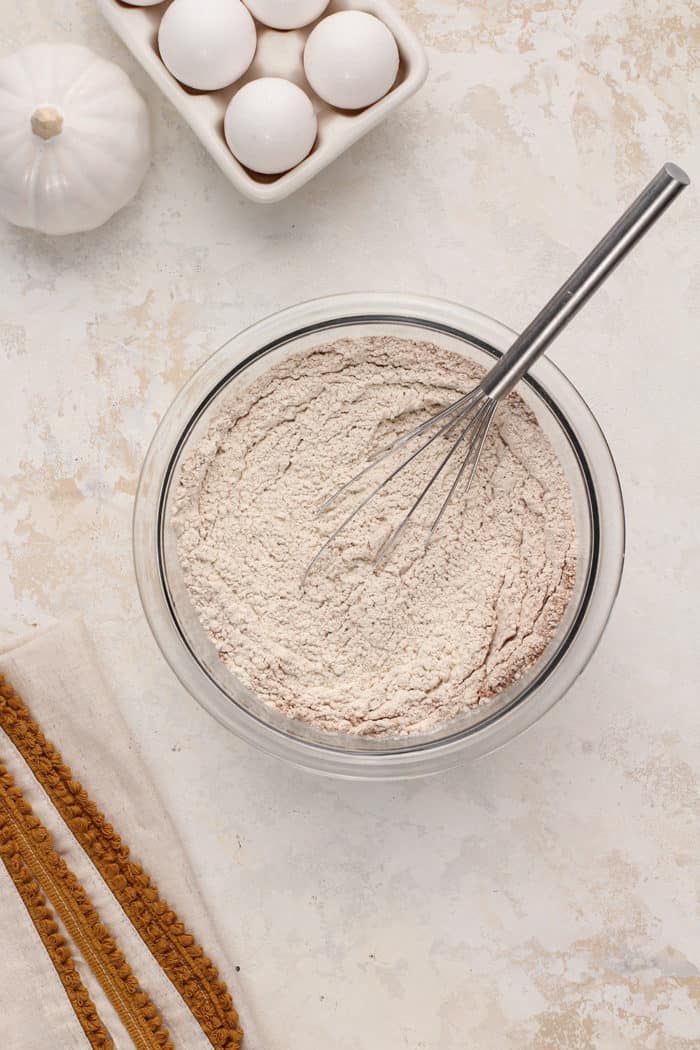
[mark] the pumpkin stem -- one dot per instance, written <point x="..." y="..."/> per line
<point x="47" y="122"/>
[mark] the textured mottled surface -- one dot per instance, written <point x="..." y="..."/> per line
<point x="408" y="644"/>
<point x="545" y="898"/>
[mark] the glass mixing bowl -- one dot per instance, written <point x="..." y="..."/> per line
<point x="563" y="415"/>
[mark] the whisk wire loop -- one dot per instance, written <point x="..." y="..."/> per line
<point x="474" y="425"/>
<point x="461" y="405"/>
<point x="472" y="456"/>
<point x="471" y="410"/>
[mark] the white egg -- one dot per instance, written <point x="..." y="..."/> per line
<point x="142" y="3"/>
<point x="286" y="14"/>
<point x="270" y="125"/>
<point x="351" y="59"/>
<point x="207" y="44"/>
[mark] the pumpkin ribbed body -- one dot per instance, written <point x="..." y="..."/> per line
<point x="74" y="138"/>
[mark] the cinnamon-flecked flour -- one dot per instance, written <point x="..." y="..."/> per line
<point x="435" y="630"/>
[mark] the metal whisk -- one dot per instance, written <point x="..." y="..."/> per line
<point x="470" y="416"/>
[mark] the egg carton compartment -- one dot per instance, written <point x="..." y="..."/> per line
<point x="279" y="54"/>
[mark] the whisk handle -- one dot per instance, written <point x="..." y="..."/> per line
<point x="585" y="280"/>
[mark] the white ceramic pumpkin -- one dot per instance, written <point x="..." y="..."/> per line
<point x="74" y="138"/>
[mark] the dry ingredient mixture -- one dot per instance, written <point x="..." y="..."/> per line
<point x="434" y="631"/>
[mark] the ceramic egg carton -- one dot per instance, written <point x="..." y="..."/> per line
<point x="279" y="54"/>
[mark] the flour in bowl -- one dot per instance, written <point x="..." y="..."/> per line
<point x="436" y="630"/>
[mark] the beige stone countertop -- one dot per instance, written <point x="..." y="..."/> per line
<point x="546" y="897"/>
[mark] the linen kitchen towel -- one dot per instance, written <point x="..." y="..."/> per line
<point x="106" y="941"/>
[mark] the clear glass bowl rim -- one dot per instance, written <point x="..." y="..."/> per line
<point x="438" y="754"/>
